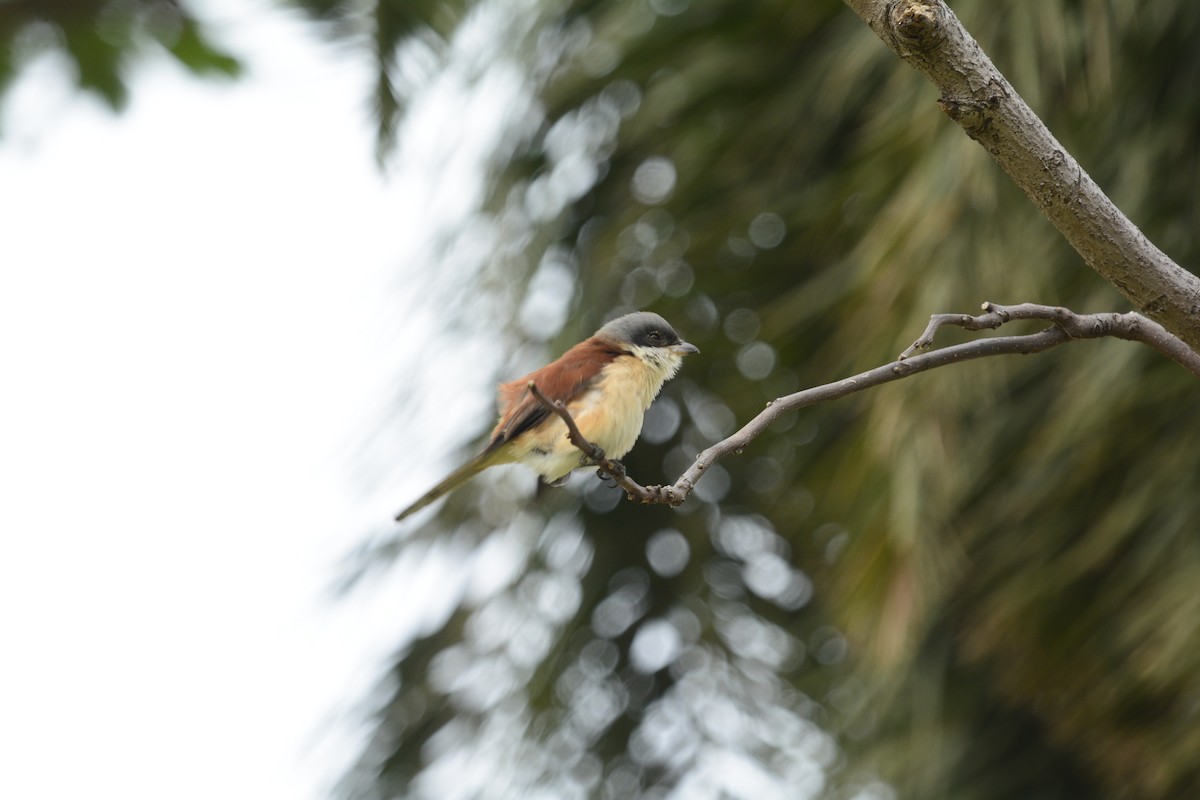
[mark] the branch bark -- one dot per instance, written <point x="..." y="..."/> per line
<point x="928" y="35"/>
<point x="1067" y="326"/>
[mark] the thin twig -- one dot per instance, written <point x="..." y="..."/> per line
<point x="590" y="450"/>
<point x="1001" y="345"/>
<point x="608" y="467"/>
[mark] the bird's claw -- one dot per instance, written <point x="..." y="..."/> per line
<point x="611" y="470"/>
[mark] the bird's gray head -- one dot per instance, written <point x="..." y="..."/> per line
<point x="645" y="331"/>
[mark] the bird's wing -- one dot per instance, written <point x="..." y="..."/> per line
<point x="562" y="380"/>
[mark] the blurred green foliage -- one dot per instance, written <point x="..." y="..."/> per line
<point x="101" y="39"/>
<point x="384" y="27"/>
<point x="979" y="582"/>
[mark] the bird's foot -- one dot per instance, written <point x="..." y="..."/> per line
<point x="611" y="470"/>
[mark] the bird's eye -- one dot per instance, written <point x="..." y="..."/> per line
<point x="654" y="337"/>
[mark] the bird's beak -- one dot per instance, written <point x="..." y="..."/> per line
<point x="685" y="348"/>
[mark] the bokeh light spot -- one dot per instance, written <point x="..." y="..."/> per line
<point x="654" y="180"/>
<point x="767" y="230"/>
<point x="662" y="421"/>
<point x="741" y="325"/>
<point x="756" y="360"/>
<point x="655" y="645"/>
<point x="668" y="552"/>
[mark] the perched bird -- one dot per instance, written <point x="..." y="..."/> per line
<point x="606" y="383"/>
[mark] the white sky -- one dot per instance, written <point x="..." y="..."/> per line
<point x="198" y="305"/>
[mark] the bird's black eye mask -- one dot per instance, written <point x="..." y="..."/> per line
<point x="656" y="337"/>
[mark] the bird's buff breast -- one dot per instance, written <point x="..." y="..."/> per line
<point x="609" y="415"/>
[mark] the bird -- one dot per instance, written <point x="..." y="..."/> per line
<point x="606" y="382"/>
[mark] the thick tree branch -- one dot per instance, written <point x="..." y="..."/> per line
<point x="1067" y="326"/>
<point x="928" y="35"/>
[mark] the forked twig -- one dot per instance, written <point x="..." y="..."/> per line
<point x="1130" y="326"/>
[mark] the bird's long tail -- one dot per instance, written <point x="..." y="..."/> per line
<point x="451" y="482"/>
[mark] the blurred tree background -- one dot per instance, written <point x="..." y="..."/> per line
<point x="975" y="583"/>
<point x="103" y="40"/>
